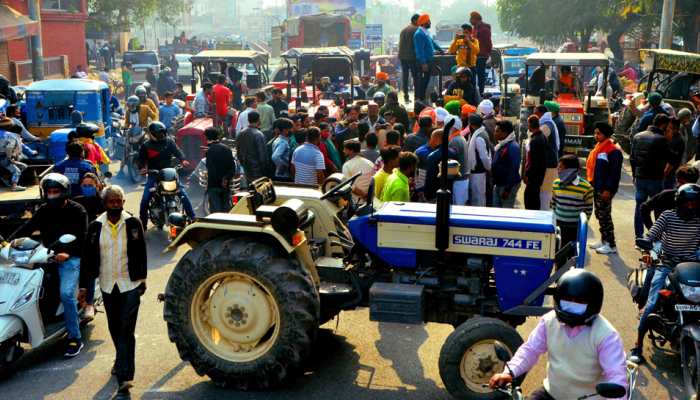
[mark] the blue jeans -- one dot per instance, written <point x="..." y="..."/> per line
<point x="68" y="274"/>
<point x="146" y="198"/>
<point x="643" y="190"/>
<point x="657" y="283"/>
<point x="508" y="202"/>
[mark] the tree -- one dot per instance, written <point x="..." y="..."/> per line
<point x="557" y="20"/>
<point x="121" y="15"/>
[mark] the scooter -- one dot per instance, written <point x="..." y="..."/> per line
<point x="605" y="390"/>
<point x="30" y="309"/>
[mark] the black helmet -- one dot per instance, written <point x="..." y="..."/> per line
<point x="688" y="201"/>
<point x="157" y="130"/>
<point x="86" y="130"/>
<point x="54" y="180"/>
<point x="132" y="103"/>
<point x="575" y="289"/>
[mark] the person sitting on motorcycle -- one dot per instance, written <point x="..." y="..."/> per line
<point x="583" y="348"/>
<point x="56" y="217"/>
<point x="666" y="200"/>
<point x="138" y="115"/>
<point x="85" y="134"/>
<point x="144" y="100"/>
<point x="156" y="154"/>
<point x="75" y="166"/>
<point x="150" y="93"/>
<point x="678" y="230"/>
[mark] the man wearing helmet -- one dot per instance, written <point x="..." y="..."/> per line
<point x="138" y="115"/>
<point x="679" y="233"/>
<point x="56" y="217"/>
<point x="144" y="99"/>
<point x="598" y="354"/>
<point x="157" y="153"/>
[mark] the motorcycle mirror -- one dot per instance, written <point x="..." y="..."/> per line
<point x="501" y="352"/>
<point x="644" y="244"/>
<point x="610" y="390"/>
<point x="67" y="238"/>
<point x="108" y="175"/>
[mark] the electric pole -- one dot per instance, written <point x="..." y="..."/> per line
<point x="37" y="53"/>
<point x="666" y="31"/>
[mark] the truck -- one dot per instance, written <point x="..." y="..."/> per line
<point x="243" y="305"/>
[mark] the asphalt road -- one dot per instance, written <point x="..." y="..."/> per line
<point x="353" y="358"/>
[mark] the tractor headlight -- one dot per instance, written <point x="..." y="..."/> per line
<point x="691" y="293"/>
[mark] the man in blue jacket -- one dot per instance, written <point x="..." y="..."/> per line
<point x="74" y="167"/>
<point x="425" y="48"/>
<point x="505" y="168"/>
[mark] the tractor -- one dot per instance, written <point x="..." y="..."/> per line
<point x="244" y="304"/>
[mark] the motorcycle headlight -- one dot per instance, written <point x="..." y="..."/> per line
<point x="169" y="186"/>
<point x="691" y="293"/>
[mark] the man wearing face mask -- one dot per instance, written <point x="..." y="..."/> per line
<point x="679" y="233"/>
<point x="56" y="217"/>
<point x="115" y="253"/>
<point x="575" y="323"/>
<point x="157" y="153"/>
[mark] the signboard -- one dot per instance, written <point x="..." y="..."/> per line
<point x="355" y="41"/>
<point x="353" y="9"/>
<point x="373" y="34"/>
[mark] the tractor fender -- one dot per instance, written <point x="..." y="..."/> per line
<point x="218" y="224"/>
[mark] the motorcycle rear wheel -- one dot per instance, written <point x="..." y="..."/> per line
<point x="690" y="364"/>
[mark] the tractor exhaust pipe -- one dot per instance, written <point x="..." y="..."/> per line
<point x="444" y="198"/>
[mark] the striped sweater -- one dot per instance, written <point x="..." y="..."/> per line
<point x="570" y="200"/>
<point x="680" y="238"/>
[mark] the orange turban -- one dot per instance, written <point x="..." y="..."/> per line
<point x="468" y="109"/>
<point x="382" y="76"/>
<point x="423" y="19"/>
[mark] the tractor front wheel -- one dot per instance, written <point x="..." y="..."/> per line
<point x="468" y="357"/>
<point x="242" y="312"/>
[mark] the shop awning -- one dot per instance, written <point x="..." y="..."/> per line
<point x="15" y="25"/>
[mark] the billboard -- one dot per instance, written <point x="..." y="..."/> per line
<point x="354" y="9"/>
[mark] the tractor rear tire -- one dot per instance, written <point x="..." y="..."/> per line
<point x="467" y="359"/>
<point x="250" y="276"/>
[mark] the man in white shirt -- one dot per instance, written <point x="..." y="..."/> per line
<point x="115" y="253"/>
<point x="242" y="123"/>
<point x="355" y="163"/>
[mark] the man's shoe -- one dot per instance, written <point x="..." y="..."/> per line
<point x="73" y="348"/>
<point x="607" y="249"/>
<point x="124" y="388"/>
<point x="596" y="245"/>
<point x="19" y="188"/>
<point x="636" y="356"/>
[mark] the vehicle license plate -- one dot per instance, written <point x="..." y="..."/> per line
<point x="687" y="307"/>
<point x="9" y="278"/>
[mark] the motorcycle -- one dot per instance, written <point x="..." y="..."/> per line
<point x="166" y="197"/>
<point x="605" y="390"/>
<point x="30" y="309"/>
<point x="134" y="138"/>
<point x="676" y="319"/>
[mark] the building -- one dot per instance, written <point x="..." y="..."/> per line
<point x="62" y="32"/>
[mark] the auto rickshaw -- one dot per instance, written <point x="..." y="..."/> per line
<point x="51" y="102"/>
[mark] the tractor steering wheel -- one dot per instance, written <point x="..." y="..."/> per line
<point x="341" y="186"/>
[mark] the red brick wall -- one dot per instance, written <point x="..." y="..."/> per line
<point x="61" y="33"/>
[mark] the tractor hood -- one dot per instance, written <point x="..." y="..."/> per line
<point x="397" y="230"/>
